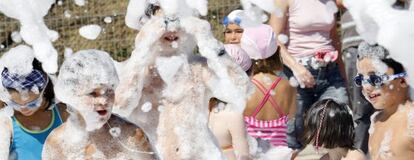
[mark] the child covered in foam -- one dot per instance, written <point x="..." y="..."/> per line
<point x="165" y="87"/>
<point x="86" y="82"/>
<point x="384" y="85"/>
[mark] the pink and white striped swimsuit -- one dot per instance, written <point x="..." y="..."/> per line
<point x="271" y="130"/>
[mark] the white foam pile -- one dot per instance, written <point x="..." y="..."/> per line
<point x="253" y="12"/>
<point x="22" y="54"/>
<point x="33" y="30"/>
<point x="135" y="10"/>
<point x="183" y="8"/>
<point x="67" y="52"/>
<point x="108" y="19"/>
<point x="7" y="111"/>
<point x="283" y="38"/>
<point x="67" y="14"/>
<point x="5" y="135"/>
<point x="16" y="37"/>
<point x="411" y="6"/>
<point x="90" y="32"/>
<point x="135" y="16"/>
<point x="80" y="2"/>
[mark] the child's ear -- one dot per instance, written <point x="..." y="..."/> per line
<point x="403" y="83"/>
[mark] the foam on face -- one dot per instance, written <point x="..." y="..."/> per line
<point x="33" y="30"/>
<point x="380" y="67"/>
<point x="79" y="76"/>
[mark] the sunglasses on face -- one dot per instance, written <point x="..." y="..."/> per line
<point x="376" y="80"/>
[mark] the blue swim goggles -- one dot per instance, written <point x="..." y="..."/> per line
<point x="32" y="104"/>
<point x="227" y="21"/>
<point x="377" y="80"/>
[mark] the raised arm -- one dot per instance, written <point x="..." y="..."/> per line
<point x="6" y="131"/>
<point x="226" y="80"/>
<point x="278" y="23"/>
<point x="238" y="133"/>
<point x="128" y="93"/>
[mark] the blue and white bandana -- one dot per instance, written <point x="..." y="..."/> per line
<point x="19" y="82"/>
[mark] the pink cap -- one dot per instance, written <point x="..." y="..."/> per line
<point x="259" y="42"/>
<point x="239" y="55"/>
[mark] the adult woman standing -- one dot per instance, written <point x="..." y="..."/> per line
<point x="311" y="55"/>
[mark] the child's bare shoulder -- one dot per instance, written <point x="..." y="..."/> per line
<point x="53" y="137"/>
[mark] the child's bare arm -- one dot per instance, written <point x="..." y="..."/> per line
<point x="52" y="148"/>
<point x="5" y="136"/>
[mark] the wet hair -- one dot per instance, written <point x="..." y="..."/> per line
<point x="151" y="9"/>
<point x="269" y="65"/>
<point x="48" y="94"/>
<point x="334" y="123"/>
<point x="396" y="66"/>
<point x="366" y="50"/>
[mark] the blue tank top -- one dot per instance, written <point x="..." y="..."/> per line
<point x="27" y="144"/>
